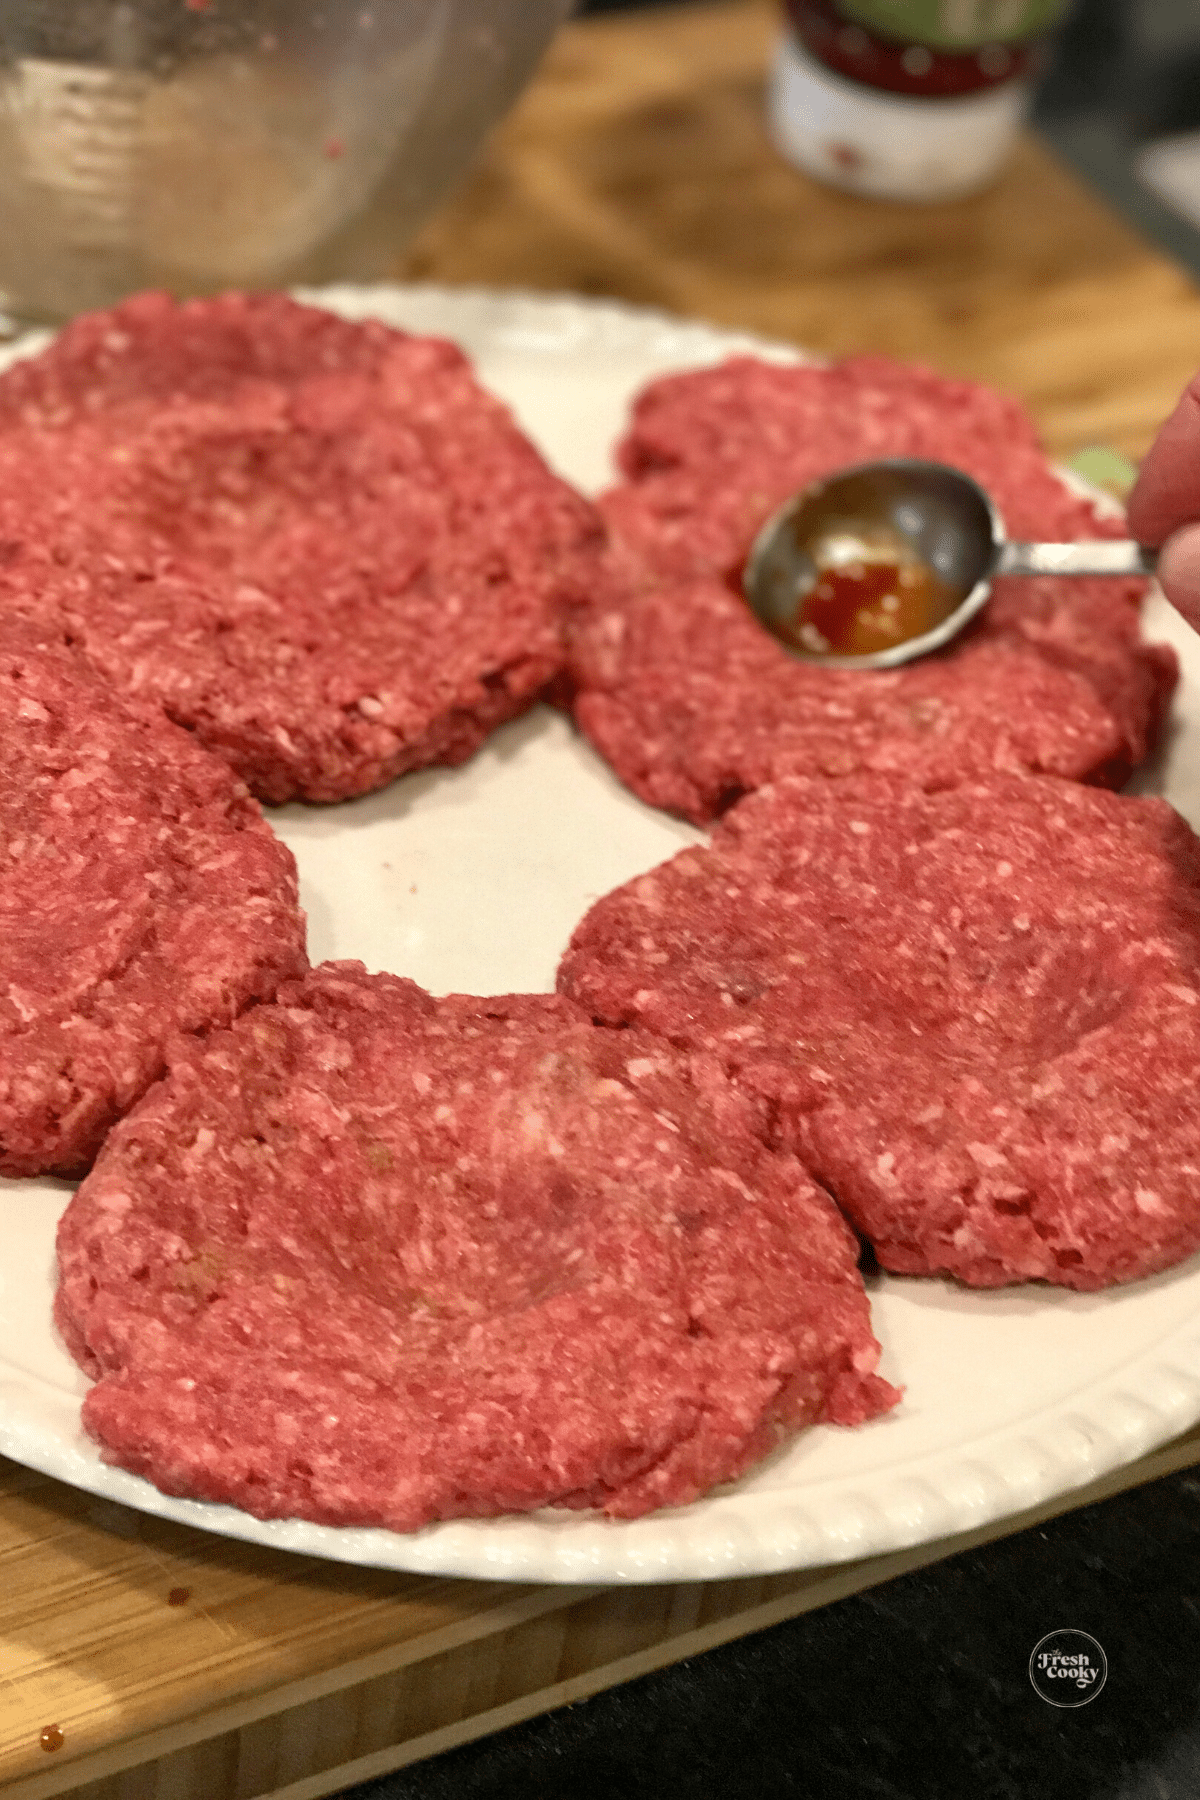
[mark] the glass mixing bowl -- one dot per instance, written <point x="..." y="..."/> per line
<point x="203" y="144"/>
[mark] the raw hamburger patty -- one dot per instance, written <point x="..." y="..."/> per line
<point x="320" y="545"/>
<point x="141" y="895"/>
<point x="370" y="1258"/>
<point x="974" y="1013"/>
<point x="694" y="704"/>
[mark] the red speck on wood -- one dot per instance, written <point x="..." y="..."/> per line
<point x="52" y="1737"/>
<point x="179" y="1596"/>
<point x="334" y="148"/>
<point x="846" y="156"/>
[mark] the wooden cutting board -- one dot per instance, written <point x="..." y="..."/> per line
<point x="164" y="1664"/>
<point x="141" y="1660"/>
<point x="638" y="165"/>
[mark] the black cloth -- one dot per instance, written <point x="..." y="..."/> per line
<point x="916" y="1690"/>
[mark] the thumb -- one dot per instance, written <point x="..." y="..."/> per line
<point x="1179" y="572"/>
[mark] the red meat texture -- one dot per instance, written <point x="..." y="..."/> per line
<point x="694" y="704"/>
<point x="318" y="544"/>
<point x="141" y="895"/>
<point x="974" y="1014"/>
<point x="372" y="1259"/>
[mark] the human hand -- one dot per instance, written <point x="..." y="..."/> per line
<point x="1164" y="506"/>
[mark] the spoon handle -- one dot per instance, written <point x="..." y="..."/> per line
<point x="1107" y="556"/>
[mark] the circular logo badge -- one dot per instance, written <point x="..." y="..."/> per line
<point x="1068" y="1668"/>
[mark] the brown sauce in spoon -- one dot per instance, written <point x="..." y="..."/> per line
<point x="860" y="604"/>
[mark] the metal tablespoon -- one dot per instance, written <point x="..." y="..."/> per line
<point x="890" y="560"/>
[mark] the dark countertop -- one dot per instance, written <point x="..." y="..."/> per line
<point x="916" y="1690"/>
<point x="1127" y="72"/>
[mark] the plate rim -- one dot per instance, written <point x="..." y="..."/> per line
<point x="1069" y="1442"/>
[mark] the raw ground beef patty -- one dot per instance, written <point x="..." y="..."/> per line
<point x="368" y="1258"/>
<point x="974" y="1013"/>
<point x="319" y="545"/>
<point x="694" y="704"/>
<point x="141" y="895"/>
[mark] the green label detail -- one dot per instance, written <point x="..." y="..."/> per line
<point x="957" y="24"/>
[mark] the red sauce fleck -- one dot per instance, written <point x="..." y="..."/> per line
<point x="179" y="1596"/>
<point x="334" y="148"/>
<point x="846" y="156"/>
<point x="52" y="1737"/>
<point x="865" y="606"/>
<point x="197" y="5"/>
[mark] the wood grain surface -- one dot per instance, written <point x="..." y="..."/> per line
<point x="636" y="166"/>
<point x="177" y="1666"/>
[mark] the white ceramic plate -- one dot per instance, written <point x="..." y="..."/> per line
<point x="472" y="880"/>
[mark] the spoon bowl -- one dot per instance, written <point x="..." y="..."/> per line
<point x="923" y="523"/>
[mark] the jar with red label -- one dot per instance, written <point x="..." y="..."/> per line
<point x="906" y="99"/>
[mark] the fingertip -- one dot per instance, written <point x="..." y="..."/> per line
<point x="1179" y="573"/>
<point x="1167" y="491"/>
